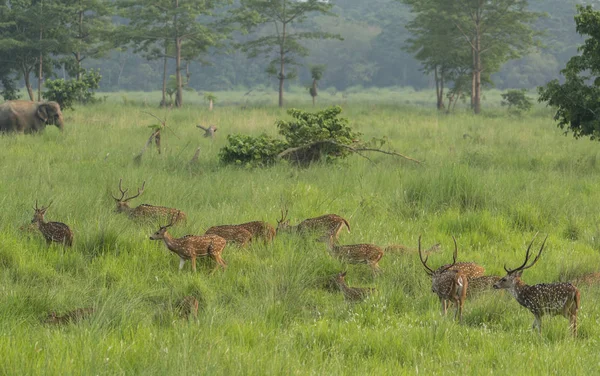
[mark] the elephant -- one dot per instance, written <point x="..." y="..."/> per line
<point x="28" y="116"/>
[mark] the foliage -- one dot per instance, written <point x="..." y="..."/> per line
<point x="66" y="93"/>
<point x="577" y="100"/>
<point x="516" y="101"/>
<point x="316" y="73"/>
<point x="251" y="151"/>
<point x="307" y="131"/>
<point x="9" y="90"/>
<point x="210" y="97"/>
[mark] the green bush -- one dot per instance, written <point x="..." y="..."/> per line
<point x="517" y="101"/>
<point x="67" y="92"/>
<point x="317" y="136"/>
<point x="251" y="151"/>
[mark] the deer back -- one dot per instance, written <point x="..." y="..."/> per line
<point x="547" y="298"/>
<point x="57" y="232"/>
<point x="231" y="233"/>
<point x="260" y="229"/>
<point x="329" y="224"/>
<point x="203" y="245"/>
<point x="358" y="253"/>
<point x="157" y="212"/>
<point x="469" y="269"/>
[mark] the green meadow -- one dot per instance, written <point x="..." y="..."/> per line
<point x="492" y="181"/>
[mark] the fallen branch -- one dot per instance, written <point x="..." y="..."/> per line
<point x="138" y="158"/>
<point x="352" y="149"/>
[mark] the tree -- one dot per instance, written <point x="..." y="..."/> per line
<point x="88" y="24"/>
<point x="495" y="31"/>
<point x="32" y="36"/>
<point x="186" y="24"/>
<point x="316" y="73"/>
<point x="284" y="43"/>
<point x="577" y="100"/>
<point x="439" y="48"/>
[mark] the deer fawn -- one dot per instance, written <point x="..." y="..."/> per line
<point x="449" y="284"/>
<point x="231" y="233"/>
<point x="56" y="232"/>
<point x="369" y="254"/>
<point x="352" y="294"/>
<point x="144" y="211"/>
<point x="188" y="306"/>
<point x="189" y="247"/>
<point x="542" y="299"/>
<point x="69" y="317"/>
<point x="326" y="225"/>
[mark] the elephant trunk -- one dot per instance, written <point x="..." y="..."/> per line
<point x="59" y="121"/>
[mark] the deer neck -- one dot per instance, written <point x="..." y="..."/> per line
<point x="517" y="289"/>
<point x="40" y="223"/>
<point x="170" y="241"/>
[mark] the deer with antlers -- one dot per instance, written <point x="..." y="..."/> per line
<point x="56" y="232"/>
<point x="144" y="211"/>
<point x="190" y="247"/>
<point x="449" y="284"/>
<point x="369" y="254"/>
<point x="542" y="299"/>
<point x="326" y="225"/>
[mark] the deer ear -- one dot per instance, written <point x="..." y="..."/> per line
<point x="42" y="113"/>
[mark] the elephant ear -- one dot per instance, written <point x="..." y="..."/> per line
<point x="42" y="112"/>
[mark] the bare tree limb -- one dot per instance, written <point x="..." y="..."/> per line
<point x="352" y="149"/>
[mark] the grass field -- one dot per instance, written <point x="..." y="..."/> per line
<point x="492" y="181"/>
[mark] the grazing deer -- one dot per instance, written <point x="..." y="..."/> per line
<point x="326" y="225"/>
<point x="260" y="229"/>
<point x="369" y="254"/>
<point x="56" y="232"/>
<point x="231" y="233"/>
<point x="189" y="247"/>
<point x="144" y="211"/>
<point x="542" y="299"/>
<point x="188" y="306"/>
<point x="69" y="317"/>
<point x="482" y="283"/>
<point x="449" y="284"/>
<point x="352" y="294"/>
<point x="587" y="279"/>
<point x="208" y="132"/>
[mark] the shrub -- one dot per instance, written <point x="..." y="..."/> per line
<point x="251" y="151"/>
<point x="517" y="101"/>
<point x="316" y="135"/>
<point x="67" y="92"/>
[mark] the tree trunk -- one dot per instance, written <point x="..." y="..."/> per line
<point x="40" y="62"/>
<point x="439" y="87"/>
<point x="477" y="83"/>
<point x="282" y="65"/>
<point x="26" y="73"/>
<point x="163" y="102"/>
<point x="78" y="53"/>
<point x="314" y="91"/>
<point x="179" y="94"/>
<point x="210" y="104"/>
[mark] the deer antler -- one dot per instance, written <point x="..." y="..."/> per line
<point x="527" y="255"/>
<point x="123" y="192"/>
<point x="428" y="270"/>
<point x="283" y="215"/>
<point x="139" y="192"/>
<point x="454" y="255"/>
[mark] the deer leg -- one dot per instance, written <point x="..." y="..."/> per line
<point x="444" y="306"/>
<point x="181" y="262"/>
<point x="194" y="264"/>
<point x="537" y="323"/>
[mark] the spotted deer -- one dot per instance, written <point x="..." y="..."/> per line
<point x="56" y="232"/>
<point x="326" y="225"/>
<point x="449" y="284"/>
<point x="352" y="294"/>
<point x="480" y="284"/>
<point x="588" y="279"/>
<point x="406" y="250"/>
<point x="232" y="233"/>
<point x="369" y="254"/>
<point x="542" y="299"/>
<point x="260" y="230"/>
<point x="69" y="317"/>
<point x="144" y="211"/>
<point x="190" y="247"/>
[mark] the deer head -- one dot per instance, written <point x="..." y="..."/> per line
<point x="513" y="276"/>
<point x="439" y="271"/>
<point x="160" y="234"/>
<point x="122" y="202"/>
<point x="38" y="215"/>
<point x="283" y="224"/>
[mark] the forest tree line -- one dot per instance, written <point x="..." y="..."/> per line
<point x="223" y="45"/>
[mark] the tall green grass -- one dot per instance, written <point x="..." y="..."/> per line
<point x="491" y="181"/>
